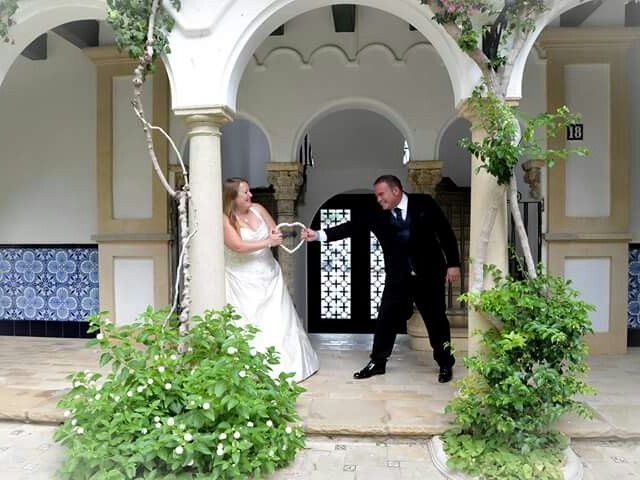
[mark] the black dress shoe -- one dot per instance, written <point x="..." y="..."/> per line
<point x="445" y="375"/>
<point x="372" y="368"/>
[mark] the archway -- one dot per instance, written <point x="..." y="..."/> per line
<point x="344" y="279"/>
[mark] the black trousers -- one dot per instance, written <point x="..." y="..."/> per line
<point x="396" y="306"/>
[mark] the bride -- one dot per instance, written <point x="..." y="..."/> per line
<point x="255" y="285"/>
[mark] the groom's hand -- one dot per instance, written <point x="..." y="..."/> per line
<point x="309" y="235"/>
<point x="453" y="274"/>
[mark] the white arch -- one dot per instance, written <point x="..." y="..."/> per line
<point x="517" y="74"/>
<point x="205" y="70"/>
<point x="38" y="16"/>
<point x="242" y="115"/>
<point x="353" y="103"/>
<point x="443" y="130"/>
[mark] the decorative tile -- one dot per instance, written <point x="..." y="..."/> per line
<point x="634" y="286"/>
<point x="48" y="283"/>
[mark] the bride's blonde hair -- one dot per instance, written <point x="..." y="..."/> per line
<point x="230" y="189"/>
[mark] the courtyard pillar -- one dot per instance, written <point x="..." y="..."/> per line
<point x="205" y="209"/>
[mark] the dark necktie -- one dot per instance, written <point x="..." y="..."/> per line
<point x="397" y="212"/>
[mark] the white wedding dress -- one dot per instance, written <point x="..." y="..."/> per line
<point x="255" y="287"/>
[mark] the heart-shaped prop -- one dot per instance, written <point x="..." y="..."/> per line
<point x="294" y="224"/>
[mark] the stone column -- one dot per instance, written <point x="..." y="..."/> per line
<point x="482" y="188"/>
<point x="424" y="175"/>
<point x="286" y="178"/>
<point x="205" y="210"/>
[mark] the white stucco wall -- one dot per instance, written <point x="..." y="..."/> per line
<point x="634" y="147"/>
<point x="48" y="155"/>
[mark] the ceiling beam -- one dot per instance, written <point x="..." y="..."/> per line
<point x="344" y="17"/>
<point x="82" y="34"/>
<point x="632" y="14"/>
<point x="577" y="15"/>
<point x="36" y="50"/>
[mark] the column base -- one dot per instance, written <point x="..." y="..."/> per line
<point x="419" y="338"/>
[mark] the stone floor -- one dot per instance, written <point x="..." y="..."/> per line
<point x="27" y="452"/>
<point x="407" y="401"/>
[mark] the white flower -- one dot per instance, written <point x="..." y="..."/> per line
<point x="98" y="388"/>
<point x="161" y="369"/>
<point x="158" y="425"/>
<point x="232" y="350"/>
<point x="182" y="426"/>
<point x="117" y="398"/>
<point x="156" y="419"/>
<point x="74" y="422"/>
<point x="288" y="430"/>
<point x="173" y="356"/>
<point x="206" y="406"/>
<point x="171" y="422"/>
<point x="67" y="413"/>
<point x="107" y="321"/>
<point x="246" y="367"/>
<point x="220" y="452"/>
<point x="140" y="389"/>
<point x="144" y="431"/>
<point x="242" y="374"/>
<point x="250" y="424"/>
<point x="179" y="450"/>
<point x="269" y="423"/>
<point x="220" y="446"/>
<point x="271" y="453"/>
<point x="98" y="396"/>
<point x="99" y="336"/>
<point x="80" y="430"/>
<point x="167" y="386"/>
<point x="236" y="435"/>
<point x="150" y="381"/>
<point x="222" y="436"/>
<point x="190" y="463"/>
<point x="156" y="357"/>
<point x="129" y="394"/>
<point x="188" y="437"/>
<point x="76" y="396"/>
<point x="252" y="352"/>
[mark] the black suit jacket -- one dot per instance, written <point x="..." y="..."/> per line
<point x="432" y="244"/>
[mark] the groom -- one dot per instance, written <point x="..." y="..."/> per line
<point x="420" y="256"/>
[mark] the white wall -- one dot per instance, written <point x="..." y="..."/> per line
<point x="245" y="152"/>
<point x="48" y="155"/>
<point x="286" y="86"/>
<point x="634" y="128"/>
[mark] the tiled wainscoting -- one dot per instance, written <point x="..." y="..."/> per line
<point x="634" y="295"/>
<point x="47" y="290"/>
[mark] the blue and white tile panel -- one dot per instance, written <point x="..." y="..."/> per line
<point x="48" y="283"/>
<point x="634" y="286"/>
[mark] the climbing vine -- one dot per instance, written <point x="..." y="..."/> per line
<point x="8" y="8"/>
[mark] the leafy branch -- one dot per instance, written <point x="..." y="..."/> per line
<point x="8" y="9"/>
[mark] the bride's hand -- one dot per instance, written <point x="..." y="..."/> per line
<point x="275" y="238"/>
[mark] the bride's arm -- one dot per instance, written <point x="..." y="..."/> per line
<point x="234" y="242"/>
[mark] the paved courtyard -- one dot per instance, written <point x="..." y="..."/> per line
<point x="28" y="453"/>
<point x="407" y="401"/>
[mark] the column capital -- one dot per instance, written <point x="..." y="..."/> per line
<point x="286" y="178"/>
<point x="424" y="175"/>
<point x="202" y="117"/>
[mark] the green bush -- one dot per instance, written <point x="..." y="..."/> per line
<point x="525" y="379"/>
<point x="210" y="412"/>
